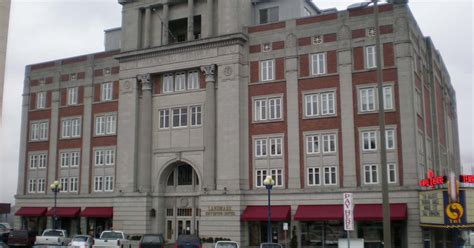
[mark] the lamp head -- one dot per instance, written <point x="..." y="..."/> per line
<point x="269" y="181"/>
<point x="55" y="185"/>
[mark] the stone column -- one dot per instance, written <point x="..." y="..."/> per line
<point x="209" y="168"/>
<point x="190" y="19"/>
<point x="210" y="18"/>
<point x="165" y="18"/>
<point x="144" y="134"/>
<point x="147" y="28"/>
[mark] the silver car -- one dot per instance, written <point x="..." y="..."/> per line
<point x="81" y="241"/>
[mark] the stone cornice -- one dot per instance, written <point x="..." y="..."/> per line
<point x="182" y="47"/>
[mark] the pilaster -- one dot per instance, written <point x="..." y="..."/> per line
<point x="209" y="168"/>
<point x="144" y="130"/>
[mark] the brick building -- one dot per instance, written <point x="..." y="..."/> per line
<point x="173" y="128"/>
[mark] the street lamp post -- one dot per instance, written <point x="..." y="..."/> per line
<point x="55" y="187"/>
<point x="269" y="182"/>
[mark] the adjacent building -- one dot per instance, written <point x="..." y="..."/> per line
<point x="175" y="126"/>
<point x="4" y="19"/>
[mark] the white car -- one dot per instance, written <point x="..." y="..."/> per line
<point x="110" y="239"/>
<point x="81" y="241"/>
<point x="226" y="244"/>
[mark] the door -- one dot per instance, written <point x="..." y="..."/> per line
<point x="169" y="230"/>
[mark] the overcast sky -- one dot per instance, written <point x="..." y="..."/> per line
<point x="43" y="30"/>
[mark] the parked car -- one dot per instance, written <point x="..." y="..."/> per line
<point x="134" y="240"/>
<point x="53" y="237"/>
<point x="112" y="239"/>
<point x="22" y="238"/>
<point x="5" y="229"/>
<point x="81" y="241"/>
<point x="188" y="241"/>
<point x="152" y="241"/>
<point x="226" y="244"/>
<point x="3" y="245"/>
<point x="270" y="245"/>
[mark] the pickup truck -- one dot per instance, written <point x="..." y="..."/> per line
<point x="53" y="237"/>
<point x="109" y="239"/>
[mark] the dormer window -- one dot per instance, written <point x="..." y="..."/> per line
<point x="269" y="15"/>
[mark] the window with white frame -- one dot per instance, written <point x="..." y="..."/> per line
<point x="314" y="176"/>
<point x="328" y="103"/>
<point x="180" y="117"/>
<point x="64" y="182"/>
<point x="39" y="131"/>
<point x="168" y="83"/>
<point x="388" y="97"/>
<point x="370" y="174"/>
<point x="193" y="80"/>
<point x="41" y="185"/>
<point x="260" y="177"/>
<point x="329" y="143"/>
<point x="419" y="103"/>
<point x="98" y="184"/>
<point x="320" y="104"/>
<point x="72" y="95"/>
<point x="180" y="81"/>
<point x="268" y="109"/>
<point x="106" y="90"/>
<point x="392" y="172"/>
<point x="274" y="108"/>
<point x="41" y="100"/>
<point x="318" y="64"/>
<point x="269" y="15"/>
<point x="32" y="186"/>
<point x="104" y="157"/>
<point x="390" y="139"/>
<point x="70" y="159"/>
<point x="275" y="146"/>
<point x="260" y="147"/>
<point x="164" y="118"/>
<point x="369" y="141"/>
<point x="109" y="183"/>
<point x="266" y="70"/>
<point x="196" y="116"/>
<point x="71" y="128"/>
<point x="312" y="105"/>
<point x="73" y="184"/>
<point x="277" y="176"/>
<point x="370" y="54"/>
<point x="312" y="144"/>
<point x="38" y="161"/>
<point x="106" y="124"/>
<point x="330" y="175"/>
<point x="367" y="99"/>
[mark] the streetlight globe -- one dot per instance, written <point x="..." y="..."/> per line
<point x="52" y="186"/>
<point x="268" y="181"/>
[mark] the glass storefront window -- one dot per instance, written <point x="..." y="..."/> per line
<point x="372" y="233"/>
<point x="315" y="234"/>
<point x="258" y="233"/>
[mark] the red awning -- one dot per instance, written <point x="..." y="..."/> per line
<point x="31" y="211"/>
<point x="98" y="212"/>
<point x="398" y="211"/>
<point x="64" y="212"/>
<point x="319" y="213"/>
<point x="260" y="213"/>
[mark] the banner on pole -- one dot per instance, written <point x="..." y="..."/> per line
<point x="348" y="212"/>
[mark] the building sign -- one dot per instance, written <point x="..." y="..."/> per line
<point x="348" y="212"/>
<point x="220" y="211"/>
<point x="432" y="180"/>
<point x="431" y="207"/>
<point x="466" y="178"/>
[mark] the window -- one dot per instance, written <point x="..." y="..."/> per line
<point x="71" y="128"/>
<point x="73" y="184"/>
<point x="260" y="110"/>
<point x="109" y="183"/>
<point x="260" y="147"/>
<point x="64" y="184"/>
<point x="38" y="161"/>
<point x="39" y="131"/>
<point x="269" y="15"/>
<point x="196" y="116"/>
<point x="311" y="103"/>
<point x="390" y="138"/>
<point x="387" y="98"/>
<point x="419" y="103"/>
<point x="266" y="70"/>
<point x="164" y="118"/>
<point x="106" y="91"/>
<point x="370" y="60"/>
<point x="193" y="80"/>
<point x="72" y="96"/>
<point x="260" y="177"/>
<point x="70" y="159"/>
<point x="168" y="83"/>
<point x="104" y="157"/>
<point x="268" y="109"/>
<point x="32" y="186"/>
<point x="277" y="176"/>
<point x="41" y="100"/>
<point x="41" y="185"/>
<point x="98" y="184"/>
<point x="320" y="104"/>
<point x="367" y="99"/>
<point x="330" y="175"/>
<point x="327" y="103"/>
<point x="318" y="63"/>
<point x="312" y="144"/>
<point x="180" y="117"/>
<point x="274" y="107"/>
<point x="314" y="177"/>
<point x="275" y="146"/>
<point x="180" y="81"/>
<point x="371" y="175"/>
<point x="369" y="141"/>
<point x="392" y="173"/>
<point x="329" y="143"/>
<point x="185" y="175"/>
<point x="105" y="124"/>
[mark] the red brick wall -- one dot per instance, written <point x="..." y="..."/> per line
<point x="370" y="10"/>
<point x="277" y="45"/>
<point x="358" y="33"/>
<point x="304" y="65"/>
<point x="387" y="29"/>
<point x="254" y="71"/>
<point x="255" y="48"/>
<point x="279" y="68"/>
<point x="330" y="37"/>
<point x="304" y="41"/>
<point x="267" y="27"/>
<point x="388" y="55"/>
<point x="316" y="19"/>
<point x="332" y="61"/>
<point x="358" y="58"/>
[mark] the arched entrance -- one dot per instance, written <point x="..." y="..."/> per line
<point x="182" y="189"/>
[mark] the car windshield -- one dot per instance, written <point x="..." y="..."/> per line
<point x="80" y="239"/>
<point x="111" y="235"/>
<point x="151" y="239"/>
<point x="53" y="233"/>
<point x="270" y="245"/>
<point x="184" y="239"/>
<point x="226" y="245"/>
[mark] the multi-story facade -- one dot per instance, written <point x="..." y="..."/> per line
<point x="175" y="132"/>
<point x="4" y="20"/>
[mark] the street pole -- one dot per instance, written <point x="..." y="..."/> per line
<point x="383" y="152"/>
<point x="54" y="210"/>
<point x="269" y="182"/>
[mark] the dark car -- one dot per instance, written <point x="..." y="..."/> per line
<point x="152" y="241"/>
<point x="3" y="245"/>
<point x="188" y="241"/>
<point x="22" y="238"/>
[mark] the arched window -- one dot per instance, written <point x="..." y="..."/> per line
<point x="185" y="175"/>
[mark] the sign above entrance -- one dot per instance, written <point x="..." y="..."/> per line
<point x="432" y="180"/>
